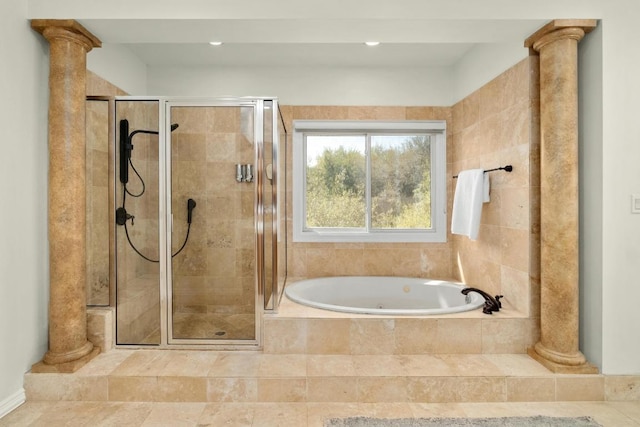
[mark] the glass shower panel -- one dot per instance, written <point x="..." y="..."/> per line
<point x="280" y="178"/>
<point x="213" y="238"/>
<point x="138" y="311"/>
<point x="269" y="206"/>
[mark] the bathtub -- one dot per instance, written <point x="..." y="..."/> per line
<point x="383" y="295"/>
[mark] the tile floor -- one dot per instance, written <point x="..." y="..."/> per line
<point x="121" y="414"/>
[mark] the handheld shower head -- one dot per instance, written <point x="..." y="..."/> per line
<point x="191" y="204"/>
<point x="174" y="126"/>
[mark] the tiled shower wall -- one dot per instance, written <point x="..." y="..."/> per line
<point x="214" y="272"/>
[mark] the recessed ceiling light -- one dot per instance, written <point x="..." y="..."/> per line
<point x="372" y="43"/>
<point x="215" y="43"/>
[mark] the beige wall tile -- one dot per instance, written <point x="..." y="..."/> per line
<point x="332" y="389"/>
<point x="382" y="389"/>
<point x="457" y="336"/>
<point x="504" y="336"/>
<point x="416" y="336"/>
<point x="328" y="336"/>
<point x="531" y="389"/>
<point x="282" y="389"/>
<point x="232" y="389"/>
<point x="617" y="387"/>
<point x="372" y="336"/>
<point x="181" y="389"/>
<point x="65" y="387"/>
<point x="578" y="387"/>
<point x="330" y="366"/>
<point x="285" y="335"/>
<point x="132" y="389"/>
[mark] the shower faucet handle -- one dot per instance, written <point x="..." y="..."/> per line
<point x="239" y="173"/>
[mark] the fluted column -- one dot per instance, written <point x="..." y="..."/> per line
<point x="69" y="43"/>
<point x="557" y="45"/>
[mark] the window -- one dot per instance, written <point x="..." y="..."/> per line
<point x="369" y="181"/>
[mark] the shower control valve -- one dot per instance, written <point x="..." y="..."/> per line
<point x="122" y="216"/>
<point x="244" y="173"/>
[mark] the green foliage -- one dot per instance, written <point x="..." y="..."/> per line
<point x="400" y="185"/>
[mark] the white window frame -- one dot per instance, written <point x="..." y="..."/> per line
<point x="438" y="231"/>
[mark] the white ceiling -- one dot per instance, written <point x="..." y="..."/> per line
<point x="307" y="42"/>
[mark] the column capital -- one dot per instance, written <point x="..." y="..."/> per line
<point x="560" y="29"/>
<point x="66" y="28"/>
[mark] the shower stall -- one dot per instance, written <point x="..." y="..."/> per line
<point x="200" y="227"/>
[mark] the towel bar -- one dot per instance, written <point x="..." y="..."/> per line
<point x="507" y="168"/>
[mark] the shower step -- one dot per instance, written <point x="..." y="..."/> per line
<point x="215" y="376"/>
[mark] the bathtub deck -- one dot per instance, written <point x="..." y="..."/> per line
<point x="298" y="329"/>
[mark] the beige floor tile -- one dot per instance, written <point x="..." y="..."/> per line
<point x="517" y="365"/>
<point x="239" y="364"/>
<point x="470" y="365"/>
<point x="126" y="415"/>
<point x="143" y="362"/>
<point x="385" y="410"/>
<point x="188" y="363"/>
<point x="630" y="409"/>
<point x="317" y="413"/>
<point x="227" y="414"/>
<point x="174" y="414"/>
<point x="438" y="410"/>
<point x="280" y="414"/>
<point x="26" y="414"/>
<point x="105" y="363"/>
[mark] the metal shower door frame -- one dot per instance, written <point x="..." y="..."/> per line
<point x="165" y="201"/>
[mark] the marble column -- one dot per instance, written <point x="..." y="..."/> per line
<point x="69" y="43"/>
<point x="557" y="45"/>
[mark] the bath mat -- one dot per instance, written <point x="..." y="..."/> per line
<point x="536" y="421"/>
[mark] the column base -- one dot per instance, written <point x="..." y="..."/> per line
<point x="67" y="367"/>
<point x="559" y="368"/>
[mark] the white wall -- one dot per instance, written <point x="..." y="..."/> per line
<point x="483" y="63"/>
<point x="309" y="86"/>
<point x="591" y="226"/>
<point x="621" y="178"/>
<point x="119" y="66"/>
<point x="23" y="186"/>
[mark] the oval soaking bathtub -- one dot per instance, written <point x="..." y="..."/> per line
<point x="383" y="295"/>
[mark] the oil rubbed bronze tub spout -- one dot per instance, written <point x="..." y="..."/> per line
<point x="491" y="304"/>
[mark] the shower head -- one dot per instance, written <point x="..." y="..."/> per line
<point x="174" y="126"/>
<point x="191" y="204"/>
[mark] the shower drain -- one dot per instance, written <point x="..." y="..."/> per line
<point x="220" y="333"/>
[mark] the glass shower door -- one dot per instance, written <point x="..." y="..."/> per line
<point x="212" y="291"/>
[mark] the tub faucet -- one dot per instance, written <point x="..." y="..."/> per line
<point x="491" y="304"/>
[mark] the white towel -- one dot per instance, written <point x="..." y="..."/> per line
<point x="472" y="189"/>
